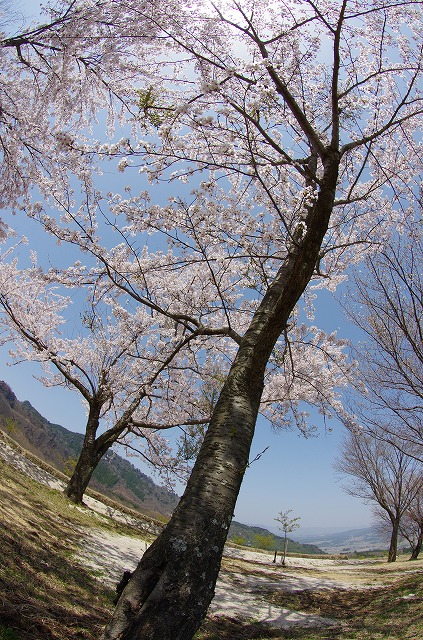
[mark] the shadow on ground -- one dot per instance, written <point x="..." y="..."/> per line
<point x="44" y="594"/>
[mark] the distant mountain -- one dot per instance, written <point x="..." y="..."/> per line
<point x="114" y="476"/>
<point x="353" y="540"/>
<point x="262" y="538"/>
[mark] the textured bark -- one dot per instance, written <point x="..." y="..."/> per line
<point x="173" y="585"/>
<point x="393" y="546"/>
<point x="418" y="546"/>
<point x="94" y="448"/>
<point x="80" y="478"/>
<point x="88" y="459"/>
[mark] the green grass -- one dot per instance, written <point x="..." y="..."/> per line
<point x="6" y="633"/>
<point x="46" y="595"/>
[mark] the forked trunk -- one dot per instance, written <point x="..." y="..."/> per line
<point x="173" y="585"/>
<point x="91" y="453"/>
<point x="94" y="448"/>
<point x="82" y="474"/>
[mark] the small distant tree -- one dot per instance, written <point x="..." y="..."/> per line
<point x="238" y="539"/>
<point x="263" y="541"/>
<point x="287" y="525"/>
<point x="9" y="425"/>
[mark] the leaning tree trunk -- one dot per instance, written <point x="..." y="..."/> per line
<point x="87" y="463"/>
<point x="174" y="582"/>
<point x="81" y="476"/>
<point x="93" y="449"/>
<point x="173" y="585"/>
<point x="87" y="460"/>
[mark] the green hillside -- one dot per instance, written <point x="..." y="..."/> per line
<point x="261" y="538"/>
<point x="115" y="477"/>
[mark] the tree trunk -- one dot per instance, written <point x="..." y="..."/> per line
<point x="392" y="553"/>
<point x="89" y="457"/>
<point x="285" y="547"/>
<point x="91" y="453"/>
<point x="93" y="449"/>
<point x="418" y="546"/>
<point x="80" y="477"/>
<point x="173" y="585"/>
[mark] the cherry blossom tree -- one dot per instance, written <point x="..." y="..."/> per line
<point x="130" y="384"/>
<point x="55" y="79"/>
<point x="287" y="524"/>
<point x="293" y="123"/>
<point x="136" y="380"/>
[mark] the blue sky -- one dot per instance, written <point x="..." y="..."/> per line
<point x="294" y="473"/>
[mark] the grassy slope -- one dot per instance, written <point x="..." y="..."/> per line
<point x="59" y="447"/>
<point x="46" y="595"/>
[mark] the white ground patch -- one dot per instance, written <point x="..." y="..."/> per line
<point x="239" y="594"/>
<point x="327" y="564"/>
<point x="110" y="554"/>
<point x="22" y="463"/>
<point x="235" y="602"/>
<point x="19" y="461"/>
